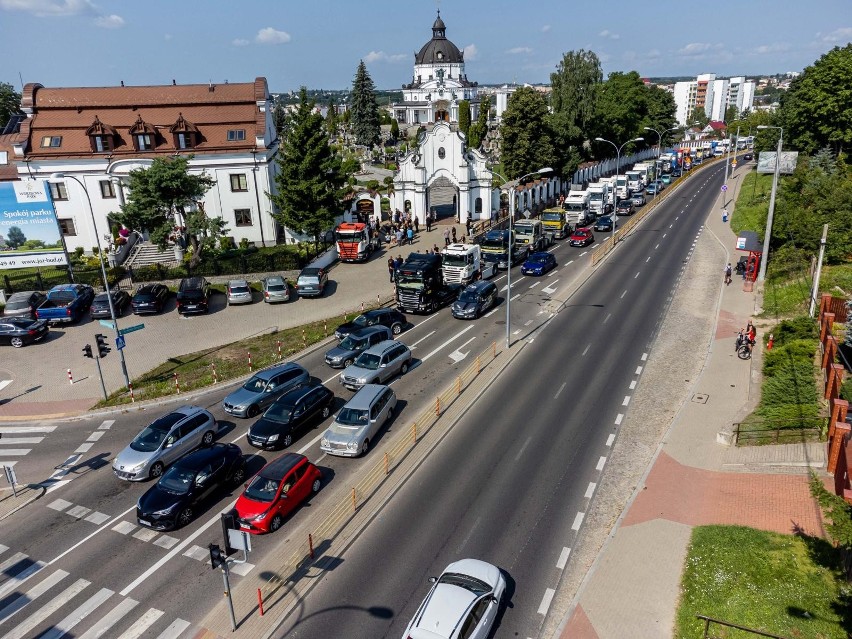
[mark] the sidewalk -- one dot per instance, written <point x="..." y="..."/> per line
<point x="633" y="586"/>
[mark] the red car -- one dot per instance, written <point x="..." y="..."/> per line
<point x="581" y="237"/>
<point x="276" y="491"/>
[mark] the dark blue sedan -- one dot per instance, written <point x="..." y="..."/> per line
<point x="538" y="264"/>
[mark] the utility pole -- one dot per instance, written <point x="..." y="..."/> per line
<point x="815" y="289"/>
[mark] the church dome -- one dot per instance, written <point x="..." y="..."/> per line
<point x="439" y="50"/>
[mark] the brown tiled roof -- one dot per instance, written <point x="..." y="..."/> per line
<point x="212" y="110"/>
<point x="8" y="171"/>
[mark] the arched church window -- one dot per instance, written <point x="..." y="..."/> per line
<point x="477" y="205"/>
<point x="441" y="153"/>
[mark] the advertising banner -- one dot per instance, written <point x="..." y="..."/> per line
<point x="766" y="162"/>
<point x="29" y="232"/>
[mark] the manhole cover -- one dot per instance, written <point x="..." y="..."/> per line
<point x="700" y="398"/>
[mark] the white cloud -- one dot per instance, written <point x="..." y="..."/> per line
<point x="839" y="36"/>
<point x="545" y="28"/>
<point x="110" y="22"/>
<point x="470" y="52"/>
<point x="381" y="56"/>
<point x="694" y="48"/>
<point x="777" y="47"/>
<point x="43" y="8"/>
<point x="268" y="35"/>
<point x="517" y="50"/>
<point x="606" y="33"/>
<point x="239" y="42"/>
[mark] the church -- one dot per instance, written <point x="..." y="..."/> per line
<point x="438" y="85"/>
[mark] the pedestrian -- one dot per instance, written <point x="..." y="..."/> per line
<point x="428" y="222"/>
<point x="398" y="236"/>
<point x="391" y="267"/>
<point x="751" y="331"/>
<point x="398" y="262"/>
<point x="410" y="234"/>
<point x="447" y="236"/>
<point x="454" y="235"/>
<point x="724" y="215"/>
<point x="435" y="250"/>
<point x="467" y="224"/>
<point x="728" y="274"/>
<point x="416" y="224"/>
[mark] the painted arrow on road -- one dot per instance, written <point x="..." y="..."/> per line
<point x="550" y="290"/>
<point x="457" y="355"/>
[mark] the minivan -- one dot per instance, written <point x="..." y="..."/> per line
<point x="475" y="299"/>
<point x="263" y="388"/>
<point x="377" y="364"/>
<point x="193" y="295"/>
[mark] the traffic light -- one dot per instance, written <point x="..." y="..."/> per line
<point x="229" y="522"/>
<point x="87" y="351"/>
<point x="217" y="558"/>
<point x="103" y="349"/>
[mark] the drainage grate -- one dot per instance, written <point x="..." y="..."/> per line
<point x="700" y="398"/>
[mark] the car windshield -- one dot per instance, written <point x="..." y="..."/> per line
<point x="275" y="287"/>
<point x="262" y="489"/>
<point x="239" y="289"/>
<point x="468" y="296"/>
<point x="456" y="260"/>
<point x="551" y="217"/>
<point x="145" y="297"/>
<point x="409" y="281"/>
<point x="279" y="413"/>
<point x="370" y="361"/>
<point x="101" y="298"/>
<point x="352" y="343"/>
<point x="16" y="305"/>
<point x="255" y="385"/>
<point x="149" y="439"/>
<point x="349" y="236"/>
<point x="474" y="585"/>
<point x="308" y="279"/>
<point x="177" y="480"/>
<point x="538" y="259"/>
<point x="62" y="298"/>
<point x="352" y="417"/>
<point x="361" y="320"/>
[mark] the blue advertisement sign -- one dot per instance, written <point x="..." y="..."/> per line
<point x="29" y="232"/>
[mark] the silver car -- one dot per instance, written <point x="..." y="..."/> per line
<point x="275" y="289"/>
<point x="377" y="364"/>
<point x="165" y="441"/>
<point x="358" y="421"/>
<point x="263" y="388"/>
<point x="238" y="292"/>
<point x="344" y="353"/>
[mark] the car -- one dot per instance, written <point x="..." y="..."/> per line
<point x="193" y="295"/>
<point x="263" y="388"/>
<point x="625" y="207"/>
<point x="275" y="492"/>
<point x="238" y="292"/>
<point x="23" y="304"/>
<point x="478" y="297"/>
<point x="652" y="189"/>
<point x="100" y="305"/>
<point x="462" y="603"/>
<point x="638" y="199"/>
<point x="274" y="289"/>
<point x="660" y="185"/>
<point x="676" y="173"/>
<point x="164" y="441"/>
<point x="150" y="298"/>
<point x="581" y="237"/>
<point x="377" y="364"/>
<point x="389" y="317"/>
<point x="311" y="282"/>
<point x="748" y="157"/>
<point x="345" y="352"/>
<point x="538" y="263"/>
<point x="172" y="502"/>
<point x="666" y="178"/>
<point x="358" y="422"/>
<point x="291" y="414"/>
<point x="20" y="331"/>
<point x="605" y="223"/>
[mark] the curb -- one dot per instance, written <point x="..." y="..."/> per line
<point x="37" y="492"/>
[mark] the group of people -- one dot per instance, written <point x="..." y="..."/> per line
<point x="746" y="269"/>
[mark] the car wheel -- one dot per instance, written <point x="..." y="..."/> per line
<point x="326" y="411"/>
<point x="184" y="517"/>
<point x="396" y="329"/>
<point x="156" y="470"/>
<point x="315" y="487"/>
<point x="404" y="368"/>
<point x="276" y="522"/>
<point x="288" y="439"/>
<point x="348" y="362"/>
<point x="252" y="411"/>
<point x="365" y="447"/>
<point x="207" y="438"/>
<point x="17" y="342"/>
<point x="239" y="475"/>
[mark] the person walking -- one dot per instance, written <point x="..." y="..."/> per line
<point x="454" y="235"/>
<point x="728" y="272"/>
<point x="428" y="222"/>
<point x="416" y="224"/>
<point x="391" y="267"/>
<point x="447" y="236"/>
<point x="410" y="235"/>
<point x="398" y="235"/>
<point x="467" y="224"/>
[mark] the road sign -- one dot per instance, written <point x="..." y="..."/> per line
<point x="131" y="329"/>
<point x="108" y="324"/>
<point x="724" y="188"/>
<point x="119" y="342"/>
<point x="733" y="164"/>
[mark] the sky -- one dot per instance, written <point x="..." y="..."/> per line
<point x="66" y="43"/>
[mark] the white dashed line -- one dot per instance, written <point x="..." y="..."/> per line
<point x="583" y="253"/>
<point x="490" y="313"/>
<point x="624" y="293"/>
<point x="633" y="384"/>
<point x="563" y="558"/>
<point x="514" y="297"/>
<point x="545" y="601"/>
<point x="644" y="356"/>
<point x="671" y="225"/>
<point x="516" y="332"/>
<point x="626" y="400"/>
<point x="610" y="439"/>
<point x="414" y="345"/>
<point x="523" y="448"/>
<point x="590" y="490"/>
<point x="607" y="318"/>
<point x="664" y="235"/>
<point x="560" y="389"/>
<point x="618" y="419"/>
<point x="578" y="520"/>
<point x="534" y="284"/>
<point x="656" y="247"/>
<point x="586" y="350"/>
<point x="637" y="275"/>
<point x="648" y="260"/>
<point x="601" y="463"/>
<point x="638" y="370"/>
<point x="528" y="322"/>
<point x="571" y="262"/>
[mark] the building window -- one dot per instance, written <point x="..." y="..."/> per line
<point x="107" y="189"/>
<point x="242" y="217"/>
<point x="143" y="142"/>
<point x="185" y="141"/>
<point x="477" y="206"/>
<point x="238" y="182"/>
<point x="51" y="141"/>
<point x="58" y="191"/>
<point x="66" y="225"/>
<point x="441" y="153"/>
<point x="102" y="143"/>
<point x="236" y="135"/>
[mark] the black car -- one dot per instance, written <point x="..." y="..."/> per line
<point x="172" y="501"/>
<point x="100" y="305"/>
<point x="311" y="282"/>
<point x="150" y="298"/>
<point x="23" y="304"/>
<point x="193" y="295"/>
<point x="604" y="223"/>
<point x="20" y="331"/>
<point x="624" y="207"/>
<point x="477" y="298"/>
<point x="292" y="413"/>
<point x="748" y="157"/>
<point x="389" y="317"/>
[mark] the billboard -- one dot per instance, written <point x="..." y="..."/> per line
<point x="766" y="162"/>
<point x="29" y="232"/>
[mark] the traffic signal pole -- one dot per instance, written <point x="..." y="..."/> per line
<point x="101" y="375"/>
<point x="87" y="352"/>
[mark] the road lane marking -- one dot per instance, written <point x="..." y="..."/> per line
<point x="20" y="430"/>
<point x="544" y="606"/>
<point x="656" y="247"/>
<point x="516" y="332"/>
<point x="48" y="609"/>
<point x="534" y="284"/>
<point x="15" y="452"/>
<point x="638" y="370"/>
<point x="528" y="322"/>
<point x="504" y="288"/>
<point x="554" y="272"/>
<point x="637" y="274"/>
<point x="490" y="313"/>
<point x="457" y="355"/>
<point x="84" y="448"/>
<point x="618" y="419"/>
<point x="560" y="389"/>
<point x="514" y="297"/>
<point x="644" y="356"/>
<point x="586" y="350"/>
<point x="64" y="627"/>
<point x="110" y="619"/>
<point x="523" y="448"/>
<point x="17" y="441"/>
<point x="610" y="439"/>
<point x="447" y="343"/>
<point x="633" y="384"/>
<point x="626" y="400"/>
<point x="590" y="490"/>
<point x="607" y="318"/>
<point x="570" y="262"/>
<point x="664" y="235"/>
<point x="174" y="629"/>
<point x="578" y="521"/>
<point x="583" y="253"/>
<point x="142" y="624"/>
<point x="20" y="602"/>
<point x="648" y="260"/>
<point x="414" y="345"/>
<point x="623" y="294"/>
<point x="106" y="424"/>
<point x="563" y="558"/>
<point x="601" y="463"/>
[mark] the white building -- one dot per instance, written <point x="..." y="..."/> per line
<point x="712" y="96"/>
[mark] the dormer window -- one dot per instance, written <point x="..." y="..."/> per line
<point x="51" y="141"/>
<point x="186" y="135"/>
<point x="236" y="135"/>
<point x="102" y="136"/>
<point x="144" y="135"/>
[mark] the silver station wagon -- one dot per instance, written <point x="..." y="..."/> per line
<point x="377" y="364"/>
<point x="358" y="422"/>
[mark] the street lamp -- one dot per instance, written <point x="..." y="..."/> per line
<point x="659" y="137"/>
<point x="63" y="176"/>
<point x="511" y="246"/>
<point x="766" y="235"/>
<point x="617" y="168"/>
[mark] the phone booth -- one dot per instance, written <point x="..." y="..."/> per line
<point x="748" y="265"/>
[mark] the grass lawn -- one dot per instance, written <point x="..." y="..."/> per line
<point x="783" y="584"/>
<point x="783" y="298"/>
<point x="752" y="204"/>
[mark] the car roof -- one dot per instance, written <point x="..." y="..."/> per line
<point x="537" y="254"/>
<point x="274" y="279"/>
<point x="20" y="295"/>
<point x="292" y="396"/>
<point x="381" y="347"/>
<point x="311" y="270"/>
<point x="191" y="283"/>
<point x="278" y="468"/>
<point x="147" y="288"/>
<point x="272" y="371"/>
<point x="369" y="330"/>
<point x="364" y="398"/>
<point x="477" y="286"/>
<point x="198" y="459"/>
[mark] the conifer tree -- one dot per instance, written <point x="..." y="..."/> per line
<point x="365" y="109"/>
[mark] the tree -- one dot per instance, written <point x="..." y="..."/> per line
<point x="479" y="129"/>
<point x="527" y="141"/>
<point x="165" y="199"/>
<point x="394" y="130"/>
<point x="621" y="111"/>
<point x="731" y="114"/>
<point x="10" y="102"/>
<point x="331" y="118"/>
<point x="836" y="512"/>
<point x="464" y="117"/>
<point x="365" y="109"/>
<point x="817" y="110"/>
<point x="281" y="120"/>
<point x="310" y="179"/>
<point x="16" y="237"/>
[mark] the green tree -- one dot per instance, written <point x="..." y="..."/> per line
<point x="479" y="129"/>
<point x="527" y="141"/>
<point x="394" y="130"/>
<point x="365" y="109"/>
<point x="310" y="177"/>
<point x="16" y="237"/>
<point x="731" y="114"/>
<point x="10" y="102"/>
<point x="464" y="117"/>
<point x="817" y="110"/>
<point x="166" y="196"/>
<point x="331" y="119"/>
<point x="837" y="513"/>
<point x="280" y="120"/>
<point x="621" y="111"/>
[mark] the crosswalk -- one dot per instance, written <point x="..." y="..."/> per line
<point x="49" y="603"/>
<point x="18" y="441"/>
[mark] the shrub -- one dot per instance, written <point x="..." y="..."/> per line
<point x="795" y="329"/>
<point x="797" y="353"/>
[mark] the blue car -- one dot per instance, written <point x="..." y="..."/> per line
<point x="538" y="264"/>
<point x="651" y="189"/>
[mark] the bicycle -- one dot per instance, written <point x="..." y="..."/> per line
<point x="744" y="349"/>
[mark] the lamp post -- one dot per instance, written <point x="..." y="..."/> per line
<point x="511" y="246"/>
<point x="61" y="176"/>
<point x="769" y="218"/>
<point x="617" y="168"/>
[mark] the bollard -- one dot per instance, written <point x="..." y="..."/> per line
<point x="362" y="307"/>
<point x="70" y="379"/>
<point x="249" y="358"/>
<point x="260" y="601"/>
<point x="354" y="501"/>
<point x="458" y="386"/>
<point x="132" y="399"/>
<point x="478" y="365"/>
<point x="378" y="300"/>
<point x="771" y="342"/>
<point x="438" y="406"/>
<point x="215" y="376"/>
<point x="177" y="384"/>
<point x="387" y="464"/>
<point x="279" y="349"/>
<point x="414" y="431"/>
<point x="311" y="544"/>
<point x="325" y="327"/>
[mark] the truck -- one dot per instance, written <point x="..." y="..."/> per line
<point x="460" y="263"/>
<point x="354" y="241"/>
<point x="531" y="234"/>
<point x="599" y="198"/>
<point x="576" y="207"/>
<point x="419" y="285"/>
<point x="646" y="172"/>
<point x="621" y="187"/>
<point x="556" y="222"/>
<point x="66" y="303"/>
<point x="495" y="248"/>
<point x="634" y="180"/>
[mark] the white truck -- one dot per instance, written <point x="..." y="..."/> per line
<point x="611" y="182"/>
<point x="621" y="186"/>
<point x="646" y="172"/>
<point x="598" y="198"/>
<point x="461" y="263"/>
<point x="531" y="234"/>
<point x="576" y="207"/>
<point x="634" y="180"/>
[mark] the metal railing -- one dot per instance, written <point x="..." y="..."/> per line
<point x="710" y="620"/>
<point x="780" y="431"/>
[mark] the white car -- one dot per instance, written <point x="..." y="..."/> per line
<point x="462" y="603"/>
<point x="238" y="292"/>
